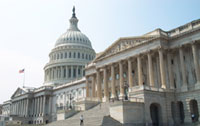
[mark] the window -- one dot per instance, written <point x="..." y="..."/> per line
<point x="82" y="55"/>
<point x="57" y="56"/>
<point x="66" y="55"/>
<point x="78" y="55"/>
<point x="86" y="56"/>
<point x="61" y="55"/>
<point x="64" y="73"/>
<point x="70" y="55"/>
<point x="79" y="92"/>
<point x="89" y="57"/>
<point x="172" y="61"/>
<point x="74" y="55"/>
<point x="79" y="71"/>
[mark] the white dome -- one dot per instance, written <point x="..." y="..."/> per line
<point x="67" y="60"/>
<point x="74" y="37"/>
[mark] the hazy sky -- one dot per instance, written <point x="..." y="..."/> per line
<point x="30" y="28"/>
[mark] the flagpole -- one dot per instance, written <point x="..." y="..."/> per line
<point x="24" y="79"/>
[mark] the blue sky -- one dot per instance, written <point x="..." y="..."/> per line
<point x="30" y="28"/>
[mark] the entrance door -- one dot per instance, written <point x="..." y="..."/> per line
<point x="155" y="114"/>
<point x="181" y="112"/>
<point x="194" y="110"/>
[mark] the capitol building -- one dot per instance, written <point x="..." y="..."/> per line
<point x="147" y="80"/>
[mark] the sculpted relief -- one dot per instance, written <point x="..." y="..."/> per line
<point x="126" y="44"/>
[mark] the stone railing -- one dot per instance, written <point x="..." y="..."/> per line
<point x="184" y="28"/>
<point x="136" y="99"/>
<point x="88" y="99"/>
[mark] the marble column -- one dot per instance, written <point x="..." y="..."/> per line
<point x="171" y="74"/>
<point x="27" y="107"/>
<point x="41" y="105"/>
<point x="151" y="72"/>
<point x="113" y="95"/>
<point x="33" y="106"/>
<point x="44" y="103"/>
<point x="99" y="94"/>
<point x="162" y="69"/>
<point x="77" y="76"/>
<point x="66" y="72"/>
<point x="50" y="107"/>
<point x="139" y="65"/>
<point x="121" y="80"/>
<point x="93" y="86"/>
<point x="87" y="86"/>
<point x="62" y="72"/>
<point x="196" y="63"/>
<point x="105" y="80"/>
<point x="20" y="105"/>
<point x="23" y="106"/>
<point x="183" y="69"/>
<point x="130" y="77"/>
<point x="50" y="74"/>
<point x="72" y="72"/>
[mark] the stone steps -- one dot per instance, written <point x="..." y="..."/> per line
<point x="96" y="116"/>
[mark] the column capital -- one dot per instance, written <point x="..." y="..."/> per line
<point x="193" y="42"/>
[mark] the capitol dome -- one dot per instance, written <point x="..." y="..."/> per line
<point x="72" y="51"/>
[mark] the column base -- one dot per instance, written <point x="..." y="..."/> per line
<point x="163" y="86"/>
<point x="113" y="97"/>
<point x="121" y="97"/>
<point x="184" y="88"/>
<point x="105" y="99"/>
<point x="197" y="85"/>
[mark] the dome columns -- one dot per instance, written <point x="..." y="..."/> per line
<point x="64" y="73"/>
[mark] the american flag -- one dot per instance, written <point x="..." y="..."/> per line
<point x="21" y="71"/>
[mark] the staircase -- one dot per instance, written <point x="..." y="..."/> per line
<point x="96" y="116"/>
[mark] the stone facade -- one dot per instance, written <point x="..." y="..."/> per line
<point x="153" y="79"/>
<point x="160" y="68"/>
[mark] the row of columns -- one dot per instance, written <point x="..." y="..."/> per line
<point x="25" y="107"/>
<point x="38" y="106"/>
<point x="63" y="72"/>
<point x="20" y="107"/>
<point x="162" y="69"/>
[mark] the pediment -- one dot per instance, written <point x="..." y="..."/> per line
<point x="123" y="44"/>
<point x="18" y="92"/>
